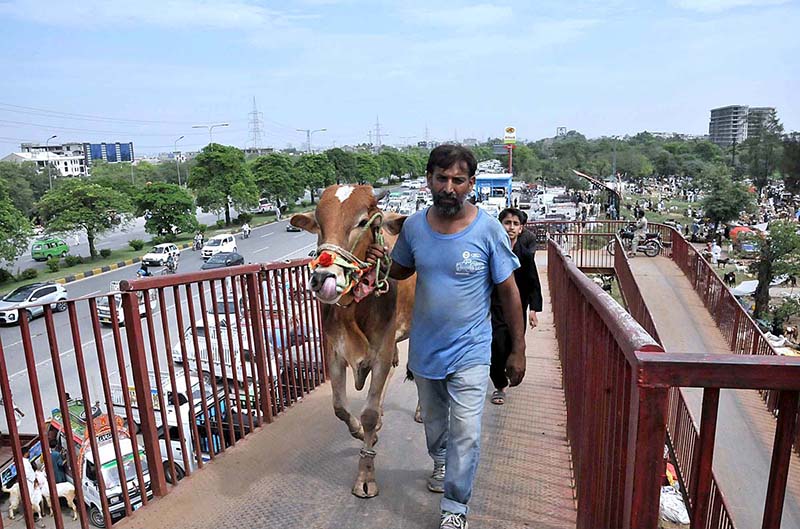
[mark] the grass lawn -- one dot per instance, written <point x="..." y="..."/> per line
<point x="123" y="254"/>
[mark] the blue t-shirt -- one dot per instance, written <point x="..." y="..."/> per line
<point x="451" y="329"/>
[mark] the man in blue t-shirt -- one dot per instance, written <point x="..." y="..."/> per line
<point x="459" y="254"/>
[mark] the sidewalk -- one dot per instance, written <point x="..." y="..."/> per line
<point x="297" y="472"/>
<point x="745" y="430"/>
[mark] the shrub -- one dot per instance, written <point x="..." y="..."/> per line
<point x="136" y="244"/>
<point x="52" y="264"/>
<point x="105" y="252"/>
<point x="72" y="260"/>
<point x="219" y="224"/>
<point x="244" y="217"/>
<point x="202" y="228"/>
<point x="28" y="273"/>
<point x="5" y="275"/>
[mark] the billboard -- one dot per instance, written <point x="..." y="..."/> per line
<point x="510" y="136"/>
<point x="110" y="152"/>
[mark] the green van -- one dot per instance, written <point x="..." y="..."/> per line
<point x="45" y="248"/>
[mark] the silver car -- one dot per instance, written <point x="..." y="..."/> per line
<point x="31" y="298"/>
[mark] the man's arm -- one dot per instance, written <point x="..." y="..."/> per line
<point x="397" y="271"/>
<point x="512" y="312"/>
<point x="400" y="272"/>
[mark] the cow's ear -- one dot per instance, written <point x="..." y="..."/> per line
<point x="393" y="222"/>
<point x="305" y="221"/>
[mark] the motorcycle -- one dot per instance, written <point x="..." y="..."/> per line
<point x="246" y="234"/>
<point x="198" y="244"/>
<point x="170" y="268"/>
<point x="651" y="246"/>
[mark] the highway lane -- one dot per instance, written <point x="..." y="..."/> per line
<point x="266" y="243"/>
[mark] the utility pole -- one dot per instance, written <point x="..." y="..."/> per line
<point x="255" y="127"/>
<point x="370" y="137"/>
<point x="309" y="134"/>
<point x="210" y="128"/>
<point x="378" y="134"/>
<point x="47" y="153"/>
<point x="426" y="134"/>
<point x="177" y="160"/>
<point x="733" y="154"/>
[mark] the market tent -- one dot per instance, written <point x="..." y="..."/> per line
<point x="739" y="230"/>
<point x="745" y="288"/>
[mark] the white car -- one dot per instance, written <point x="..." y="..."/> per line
<point x="160" y="253"/>
<point x="219" y="243"/>
<point x="29" y="298"/>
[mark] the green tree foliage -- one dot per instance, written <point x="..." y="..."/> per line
<point x="525" y="163"/>
<point x="221" y="178"/>
<point x="367" y="168"/>
<point x="392" y="162"/>
<point x="23" y="184"/>
<point x="790" y="165"/>
<point x="14" y="227"/>
<point x="275" y="177"/>
<point x="779" y="253"/>
<point x="169" y="206"/>
<point x="314" y="171"/>
<point x="344" y="163"/>
<point x="77" y="204"/>
<point x="724" y="199"/>
<point x="762" y="154"/>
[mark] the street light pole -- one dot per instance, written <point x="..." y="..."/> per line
<point x="177" y="162"/>
<point x="310" y="133"/>
<point x="210" y="128"/>
<point x="47" y="152"/>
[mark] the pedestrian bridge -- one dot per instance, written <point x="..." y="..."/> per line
<point x="581" y="443"/>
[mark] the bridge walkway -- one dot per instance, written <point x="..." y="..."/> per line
<point x="298" y="471"/>
<point x="745" y="430"/>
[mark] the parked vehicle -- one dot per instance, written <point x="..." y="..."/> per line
<point x="159" y="254"/>
<point x="219" y="243"/>
<point x="44" y="249"/>
<point x="651" y="246"/>
<point x="31" y="299"/>
<point x="289" y="227"/>
<point x="223" y="259"/>
<point x="104" y="309"/>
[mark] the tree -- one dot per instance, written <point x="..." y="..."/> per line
<point x="275" y="177"/>
<point x="524" y="162"/>
<point x="169" y="205"/>
<point x="367" y="168"/>
<point x="724" y="199"/>
<point x="77" y="204"/>
<point x="762" y="153"/>
<point x="391" y="163"/>
<point x="15" y="229"/>
<point x="344" y="163"/>
<point x="790" y="165"/>
<point x="17" y="181"/>
<point x="221" y="178"/>
<point x="314" y="171"/>
<point x="779" y="253"/>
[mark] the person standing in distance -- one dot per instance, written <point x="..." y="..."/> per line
<point x="523" y="244"/>
<point x="459" y="254"/>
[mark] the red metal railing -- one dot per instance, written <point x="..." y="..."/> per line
<point x="205" y="359"/>
<point x="617" y="384"/>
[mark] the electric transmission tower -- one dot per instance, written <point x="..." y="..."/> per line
<point x="255" y="127"/>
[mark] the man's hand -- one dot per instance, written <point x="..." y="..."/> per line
<point x="515" y="367"/>
<point x="376" y="252"/>
<point x="533" y="319"/>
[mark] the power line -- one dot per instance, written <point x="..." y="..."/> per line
<point x="89" y="131"/>
<point x="85" y="117"/>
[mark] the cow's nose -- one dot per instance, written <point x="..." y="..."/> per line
<point x="318" y="278"/>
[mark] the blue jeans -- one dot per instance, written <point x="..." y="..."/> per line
<point x="451" y="411"/>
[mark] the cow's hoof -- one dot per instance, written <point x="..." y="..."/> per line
<point x="365" y="489"/>
<point x="358" y="434"/>
<point x="418" y="416"/>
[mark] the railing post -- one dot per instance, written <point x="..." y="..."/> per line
<point x="647" y="430"/>
<point x="701" y="471"/>
<point x="254" y="298"/>
<point x="781" y="455"/>
<point x="141" y="383"/>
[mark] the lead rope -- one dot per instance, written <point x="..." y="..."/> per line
<point x="381" y="279"/>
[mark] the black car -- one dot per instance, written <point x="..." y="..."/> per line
<point x="223" y="259"/>
<point x="289" y="227"/>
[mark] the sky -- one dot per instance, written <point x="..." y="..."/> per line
<point x="148" y="71"/>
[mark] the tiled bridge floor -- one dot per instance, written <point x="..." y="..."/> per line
<point x="298" y="471"/>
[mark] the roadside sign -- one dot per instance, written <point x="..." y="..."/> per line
<point x="510" y="136"/>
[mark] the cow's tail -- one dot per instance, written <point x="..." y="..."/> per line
<point x="409" y="374"/>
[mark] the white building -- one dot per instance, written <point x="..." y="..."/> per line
<point x="62" y="164"/>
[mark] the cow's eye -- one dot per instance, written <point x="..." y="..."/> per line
<point x="362" y="223"/>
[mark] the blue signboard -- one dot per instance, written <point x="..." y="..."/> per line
<point x="125" y="152"/>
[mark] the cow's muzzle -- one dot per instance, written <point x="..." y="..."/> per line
<point x="324" y="283"/>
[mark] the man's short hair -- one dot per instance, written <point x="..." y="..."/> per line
<point x="521" y="215"/>
<point x="445" y="156"/>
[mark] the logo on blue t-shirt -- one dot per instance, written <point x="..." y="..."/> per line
<point x="470" y="263"/>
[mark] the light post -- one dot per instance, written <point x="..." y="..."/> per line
<point x="210" y="128"/>
<point x="177" y="161"/>
<point x="47" y="152"/>
<point x="310" y="133"/>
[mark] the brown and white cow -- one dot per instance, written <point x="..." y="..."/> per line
<point x="360" y="334"/>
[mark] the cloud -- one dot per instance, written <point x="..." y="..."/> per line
<point x="718" y="6"/>
<point x="466" y="17"/>
<point x="180" y="14"/>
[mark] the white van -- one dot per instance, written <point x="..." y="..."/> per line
<point x="219" y="243"/>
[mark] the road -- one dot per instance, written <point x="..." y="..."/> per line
<point x="266" y="243"/>
<point x="114" y="240"/>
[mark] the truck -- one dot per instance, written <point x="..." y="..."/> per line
<point x="90" y="464"/>
<point x="104" y="309"/>
<point x="182" y="418"/>
<point x="494" y="189"/>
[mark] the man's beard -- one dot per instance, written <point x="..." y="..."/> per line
<point x="448" y="205"/>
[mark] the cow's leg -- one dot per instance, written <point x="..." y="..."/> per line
<point x="338" y="374"/>
<point x="365" y="486"/>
